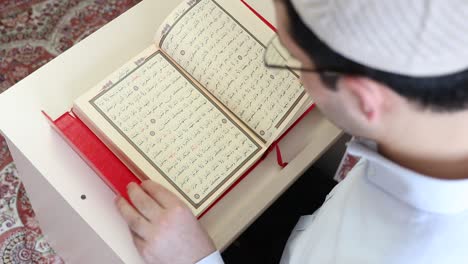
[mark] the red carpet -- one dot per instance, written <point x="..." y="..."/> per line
<point x="32" y="32"/>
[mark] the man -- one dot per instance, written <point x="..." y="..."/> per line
<point x="394" y="73"/>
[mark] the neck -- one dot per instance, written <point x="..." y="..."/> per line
<point x="438" y="148"/>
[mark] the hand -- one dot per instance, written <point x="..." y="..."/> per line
<point x="164" y="229"/>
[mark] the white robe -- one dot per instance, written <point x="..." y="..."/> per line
<point x="383" y="213"/>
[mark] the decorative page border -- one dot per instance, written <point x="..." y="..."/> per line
<point x="195" y="205"/>
<point x="193" y="3"/>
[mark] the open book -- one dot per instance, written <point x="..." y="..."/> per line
<point x="195" y="110"/>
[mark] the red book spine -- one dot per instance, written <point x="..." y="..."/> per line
<point x="95" y="153"/>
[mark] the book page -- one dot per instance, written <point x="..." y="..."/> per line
<point x="167" y="127"/>
<point x="226" y="57"/>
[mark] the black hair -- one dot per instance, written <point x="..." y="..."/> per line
<point x="443" y="93"/>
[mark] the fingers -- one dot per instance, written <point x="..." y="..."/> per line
<point x="136" y="222"/>
<point x="161" y="195"/>
<point x="146" y="205"/>
<point x="139" y="244"/>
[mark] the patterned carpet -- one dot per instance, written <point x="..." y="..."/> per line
<point x="32" y="32"/>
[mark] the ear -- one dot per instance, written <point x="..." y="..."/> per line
<point x="369" y="94"/>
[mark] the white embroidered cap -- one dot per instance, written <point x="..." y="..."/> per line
<point x="417" y="38"/>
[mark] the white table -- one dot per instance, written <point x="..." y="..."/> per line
<point x="90" y="230"/>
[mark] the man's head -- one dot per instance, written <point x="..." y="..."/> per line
<point x="380" y="97"/>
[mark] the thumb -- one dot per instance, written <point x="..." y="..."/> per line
<point x="161" y="195"/>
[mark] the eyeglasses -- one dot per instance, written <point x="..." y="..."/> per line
<point x="278" y="57"/>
